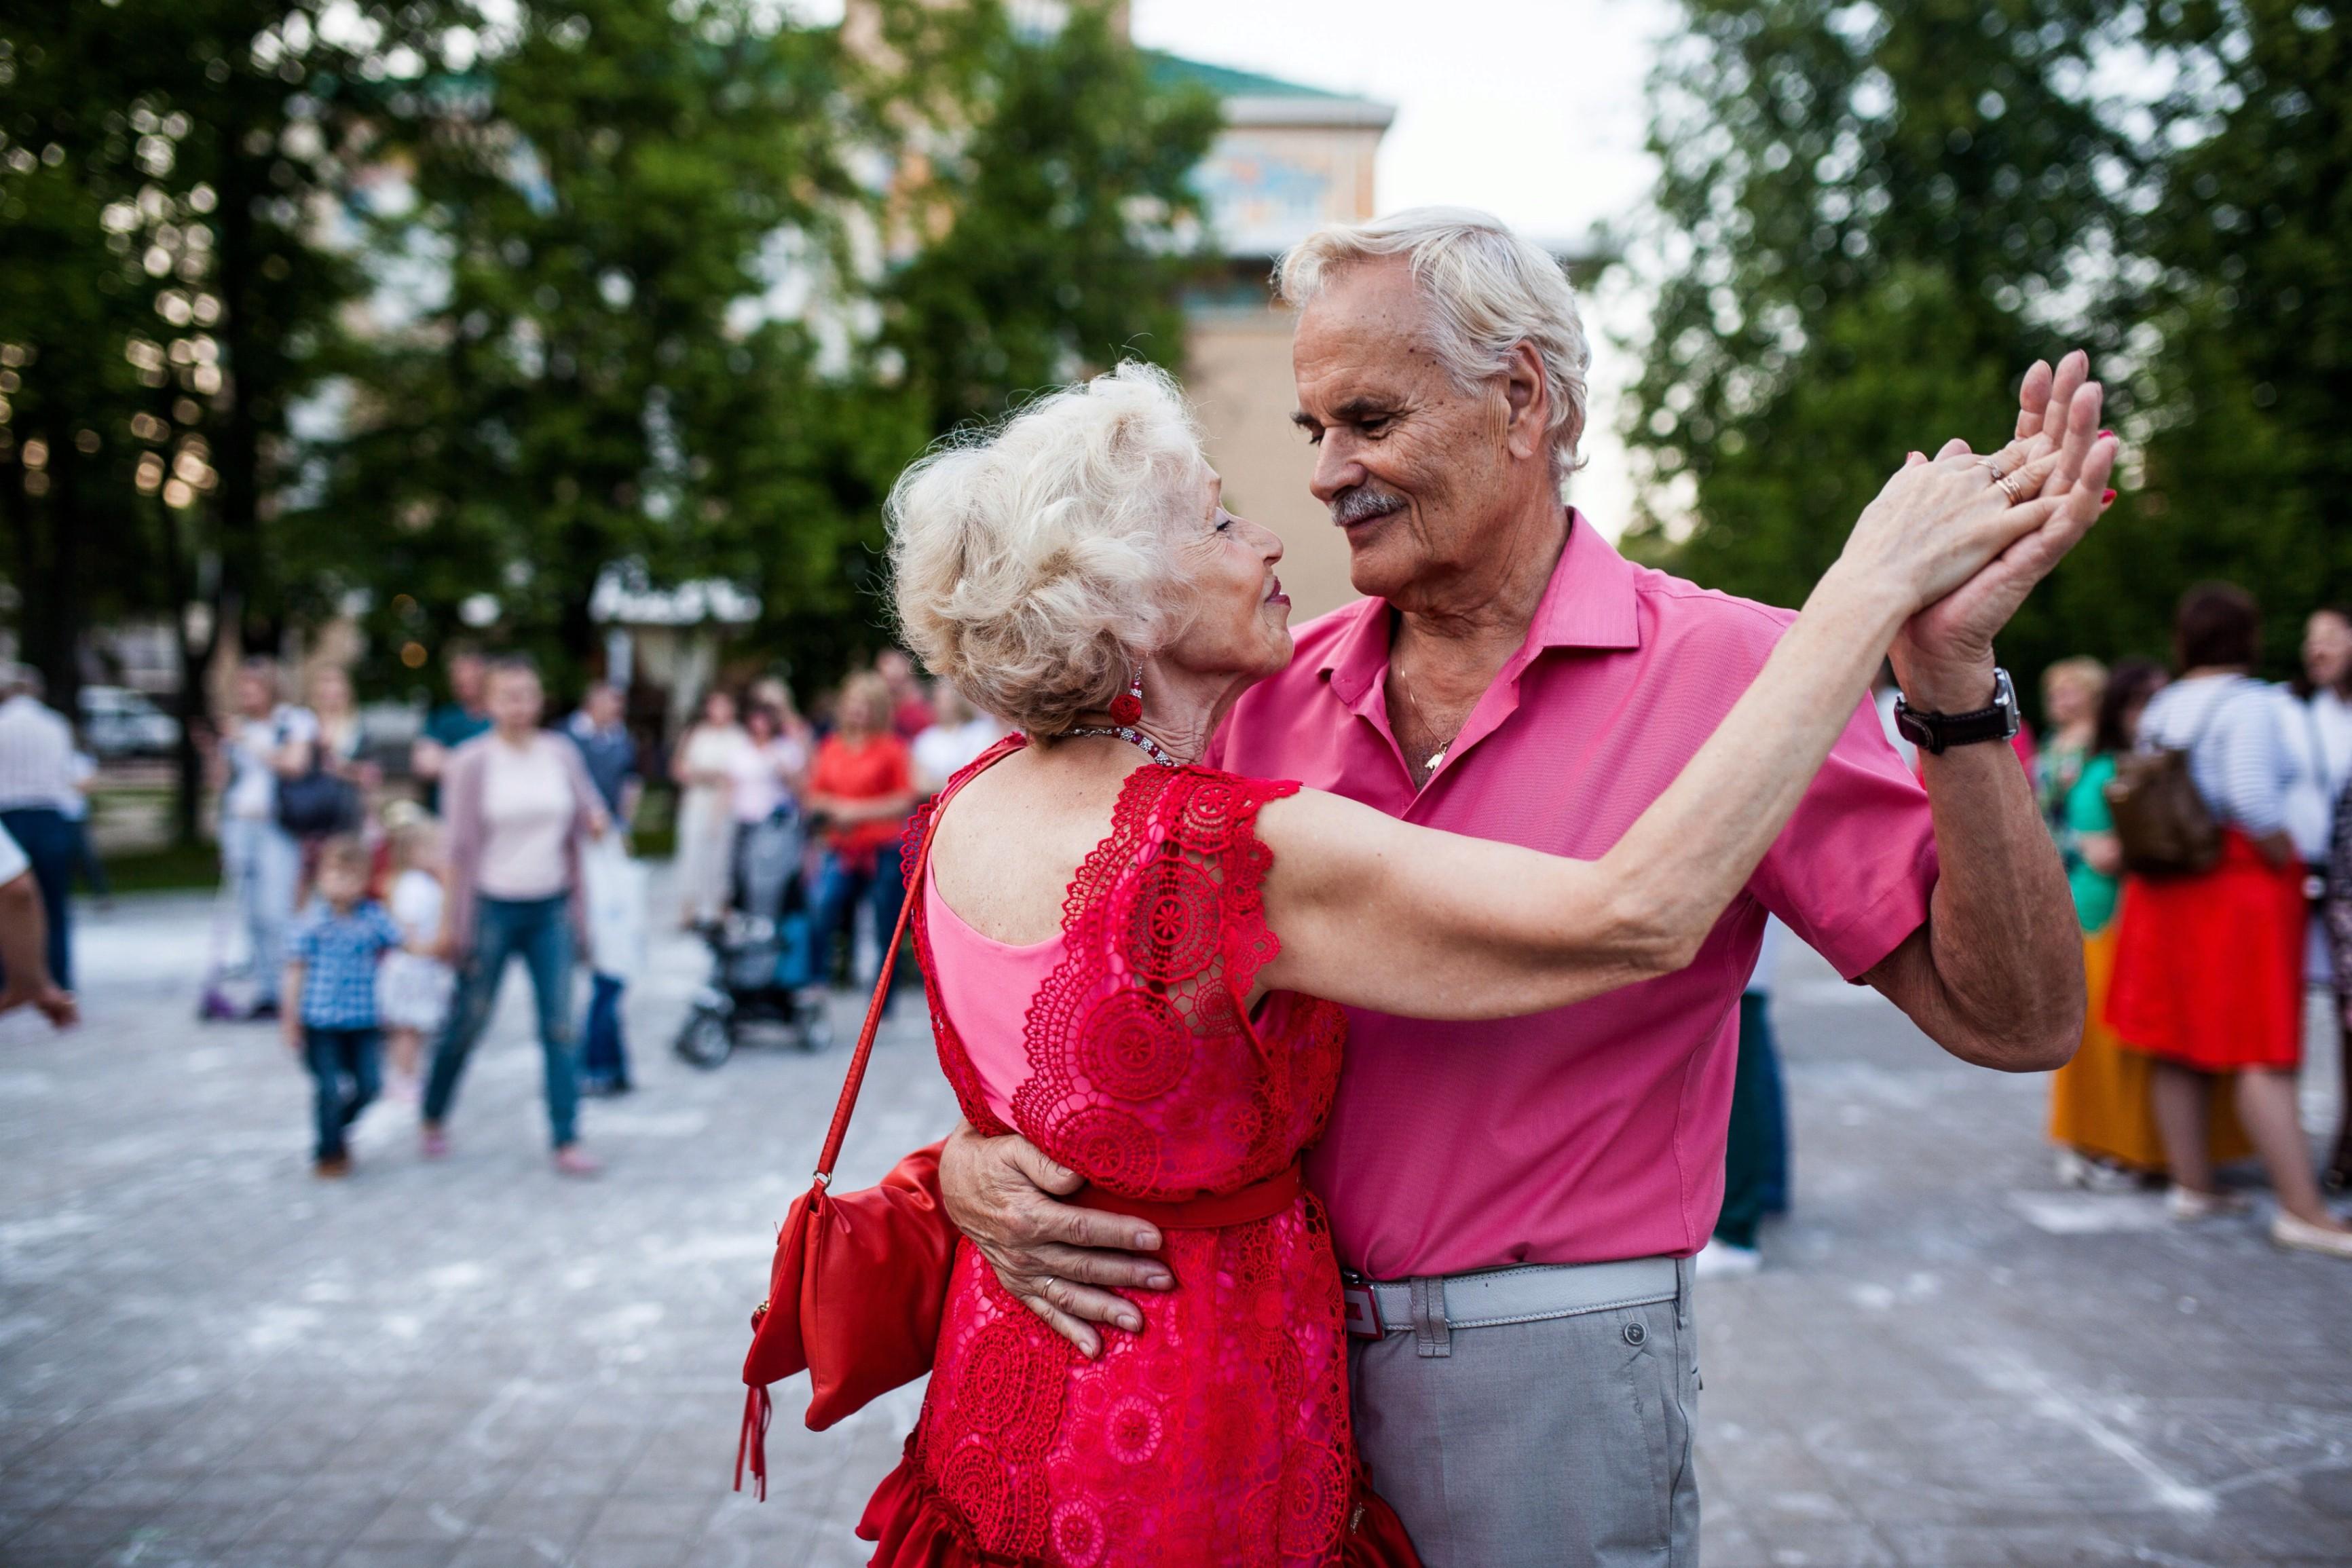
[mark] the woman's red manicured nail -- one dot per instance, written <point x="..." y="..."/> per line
<point x="2108" y="498"/>
<point x="2105" y="434"/>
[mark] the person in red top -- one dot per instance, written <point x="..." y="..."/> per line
<point x="862" y="786"/>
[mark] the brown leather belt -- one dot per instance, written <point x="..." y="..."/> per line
<point x="1259" y="1200"/>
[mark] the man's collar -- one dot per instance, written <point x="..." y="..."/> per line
<point x="1588" y="603"/>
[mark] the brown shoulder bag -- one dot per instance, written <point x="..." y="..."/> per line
<point x="2162" y="825"/>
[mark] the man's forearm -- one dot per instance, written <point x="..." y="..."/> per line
<point x="1996" y="977"/>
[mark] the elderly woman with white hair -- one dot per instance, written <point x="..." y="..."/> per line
<point x="1139" y="963"/>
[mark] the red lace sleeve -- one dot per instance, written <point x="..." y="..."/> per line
<point x="1213" y="815"/>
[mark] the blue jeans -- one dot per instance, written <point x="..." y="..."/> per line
<point x="539" y="932"/>
<point x="262" y="863"/>
<point x="840" y="889"/>
<point x="332" y="1056"/>
<point x="603" y="1058"/>
<point x="47" y="840"/>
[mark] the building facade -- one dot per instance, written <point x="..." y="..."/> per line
<point x="1289" y="159"/>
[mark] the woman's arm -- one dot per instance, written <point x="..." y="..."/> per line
<point x="1379" y="913"/>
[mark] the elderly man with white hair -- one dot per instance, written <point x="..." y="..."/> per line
<point x="1517" y="1209"/>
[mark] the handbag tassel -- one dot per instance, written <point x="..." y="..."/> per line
<point x="753" y="1447"/>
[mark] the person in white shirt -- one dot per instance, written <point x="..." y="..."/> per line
<point x="2320" y="734"/>
<point x="957" y="734"/>
<point x="2326" y="738"/>
<point x="703" y="769"/>
<point x="768" y="769"/>
<point x="264" y="740"/>
<point x="413" y="986"/>
<point x="24" y="977"/>
<point x="74" y="808"/>
<point x="36" y="750"/>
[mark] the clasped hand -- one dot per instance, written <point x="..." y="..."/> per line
<point x="2061" y="461"/>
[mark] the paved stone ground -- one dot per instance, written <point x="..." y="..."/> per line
<point x="207" y="1358"/>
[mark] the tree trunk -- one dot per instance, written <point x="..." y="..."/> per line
<point x="195" y="704"/>
<point x="237" y="454"/>
<point x="48" y="578"/>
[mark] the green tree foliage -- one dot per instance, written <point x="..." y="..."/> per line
<point x="2248" y="468"/>
<point x="682" y="287"/>
<point x="579" y="361"/>
<point x="1872" y="218"/>
<point x="1060" y="200"/>
<point x="164" y="298"/>
<point x="1866" y="212"/>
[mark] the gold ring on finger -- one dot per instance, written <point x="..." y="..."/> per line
<point x="2008" y="485"/>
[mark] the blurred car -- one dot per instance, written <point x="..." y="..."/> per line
<point x="120" y="723"/>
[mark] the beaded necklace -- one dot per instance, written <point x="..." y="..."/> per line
<point x="1133" y="737"/>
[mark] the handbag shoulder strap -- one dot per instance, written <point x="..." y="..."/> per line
<point x="856" y="1078"/>
<point x="2214" y="711"/>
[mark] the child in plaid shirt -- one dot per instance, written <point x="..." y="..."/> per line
<point x="330" y="994"/>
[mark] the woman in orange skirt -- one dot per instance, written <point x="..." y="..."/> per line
<point x="2101" y="1116"/>
<point x="2208" y="967"/>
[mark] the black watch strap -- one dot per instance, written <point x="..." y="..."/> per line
<point x="1937" y="732"/>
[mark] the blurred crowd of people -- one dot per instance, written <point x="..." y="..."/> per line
<point x="379" y="917"/>
<point x="374" y="915"/>
<point x="515" y="850"/>
<point x="2199" y="971"/>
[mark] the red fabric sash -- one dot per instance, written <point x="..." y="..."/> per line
<point x="1259" y="1200"/>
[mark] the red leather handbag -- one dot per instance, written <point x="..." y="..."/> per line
<point x="860" y="1278"/>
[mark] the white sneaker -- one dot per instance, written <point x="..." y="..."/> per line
<point x="2187" y="1203"/>
<point x="2091" y="1175"/>
<point x="1720" y="1260"/>
<point x="2301" y="1235"/>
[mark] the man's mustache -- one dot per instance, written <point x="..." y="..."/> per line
<point x="1361" y="503"/>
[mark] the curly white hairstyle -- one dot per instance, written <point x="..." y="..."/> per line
<point x="1033" y="565"/>
<point x="1488" y="289"/>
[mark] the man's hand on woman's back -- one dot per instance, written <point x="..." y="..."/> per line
<point x="1061" y="1261"/>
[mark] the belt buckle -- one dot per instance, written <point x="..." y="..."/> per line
<point x="1362" y="1308"/>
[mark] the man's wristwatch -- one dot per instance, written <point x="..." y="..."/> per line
<point x="1932" y="733"/>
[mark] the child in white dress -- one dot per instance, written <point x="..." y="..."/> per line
<point x="413" y="984"/>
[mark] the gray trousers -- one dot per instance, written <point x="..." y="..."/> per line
<point x="1565" y="1443"/>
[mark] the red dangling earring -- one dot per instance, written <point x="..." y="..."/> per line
<point x="1128" y="706"/>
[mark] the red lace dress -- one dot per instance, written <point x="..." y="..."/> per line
<point x="1219" y="1434"/>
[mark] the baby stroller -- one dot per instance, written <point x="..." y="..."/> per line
<point x="763" y="953"/>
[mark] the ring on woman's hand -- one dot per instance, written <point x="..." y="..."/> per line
<point x="2008" y="485"/>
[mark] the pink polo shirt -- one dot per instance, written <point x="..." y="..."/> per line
<point x="1593" y="1132"/>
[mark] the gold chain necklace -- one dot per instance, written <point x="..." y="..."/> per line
<point x="1421" y="713"/>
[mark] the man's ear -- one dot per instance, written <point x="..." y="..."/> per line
<point x="1526" y="397"/>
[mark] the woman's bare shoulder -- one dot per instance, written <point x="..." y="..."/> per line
<point x="1009" y="842"/>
